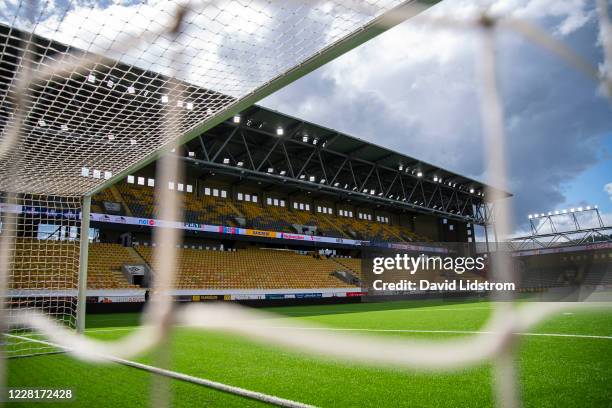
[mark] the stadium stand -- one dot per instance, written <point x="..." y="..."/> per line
<point x="250" y="269"/>
<point x="104" y="267"/>
<point x="228" y="212"/>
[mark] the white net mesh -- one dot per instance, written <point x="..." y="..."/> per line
<point x="102" y="110"/>
<point x="41" y="233"/>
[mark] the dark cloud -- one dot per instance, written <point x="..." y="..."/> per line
<point x="427" y="107"/>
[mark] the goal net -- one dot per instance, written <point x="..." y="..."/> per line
<point x="91" y="92"/>
<point x="43" y="263"/>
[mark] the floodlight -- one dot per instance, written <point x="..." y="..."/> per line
<point x="315" y="141"/>
<point x="435" y="179"/>
<point x="270" y="170"/>
<point x="236" y="119"/>
<point x="191" y="154"/>
<point x="419" y="174"/>
<point x="283" y="172"/>
<point x="312" y="178"/>
<point x="471" y="191"/>
<point x="239" y="164"/>
<point x="226" y="160"/>
<point x="400" y="167"/>
<point x="279" y="131"/>
<point x="322" y="181"/>
<point x="164" y="99"/>
<point x="305" y="139"/>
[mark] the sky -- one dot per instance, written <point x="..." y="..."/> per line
<point x="415" y="89"/>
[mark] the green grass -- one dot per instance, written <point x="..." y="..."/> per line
<point x="554" y="371"/>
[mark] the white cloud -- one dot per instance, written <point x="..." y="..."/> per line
<point x="608" y="189"/>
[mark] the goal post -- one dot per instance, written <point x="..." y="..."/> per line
<point x="83" y="263"/>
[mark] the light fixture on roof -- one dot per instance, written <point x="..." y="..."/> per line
<point x="579" y="208"/>
<point x="236" y="119"/>
<point x="322" y="181"/>
<point x="588" y="207"/>
<point x="111" y="137"/>
<point x="549" y="213"/>
<point x="564" y="211"/>
<point x="270" y="170"/>
<point x="315" y="141"/>
<point x="435" y="179"/>
<point x="191" y="154"/>
<point x="556" y="212"/>
<point x="110" y="83"/>
<point x="91" y="78"/>
<point x="365" y="190"/>
<point x="84" y="172"/>
<point x="64" y="127"/>
<point x="380" y="194"/>
<point x="336" y="184"/>
<point x="209" y="111"/>
<point x="400" y="167"/>
<point x="372" y="192"/>
<point x="189" y="105"/>
<point x="164" y="98"/>
<point x="132" y="142"/>
<point x="280" y="131"/>
<point x="572" y="209"/>
<point x="226" y="160"/>
<point x="42" y="123"/>
<point x="179" y="104"/>
<point x="305" y="139"/>
<point x="282" y="172"/>
<point x="131" y="90"/>
<point x="471" y="191"/>
<point x="419" y="174"/>
<point x="312" y="178"/>
<point x="239" y="164"/>
<point x="302" y="177"/>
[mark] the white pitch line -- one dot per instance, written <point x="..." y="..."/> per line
<point x="580" y="336"/>
<point x="270" y="399"/>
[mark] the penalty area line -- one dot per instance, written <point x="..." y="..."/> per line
<point x="230" y="389"/>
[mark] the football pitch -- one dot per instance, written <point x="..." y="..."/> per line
<point x="566" y="361"/>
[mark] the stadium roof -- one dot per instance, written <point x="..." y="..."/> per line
<point x="277" y="149"/>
